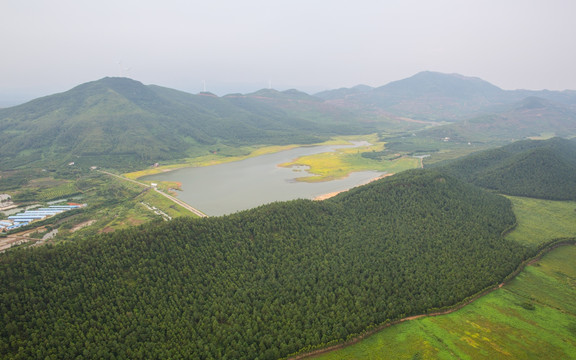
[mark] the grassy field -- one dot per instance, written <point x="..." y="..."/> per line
<point x="132" y="212"/>
<point x="455" y="153"/>
<point x="166" y="205"/>
<point x="533" y="317"/>
<point x="215" y="159"/>
<point x="327" y="166"/>
<point x="335" y="165"/>
<point x="438" y="149"/>
<point x="339" y="164"/>
<point x="542" y="220"/>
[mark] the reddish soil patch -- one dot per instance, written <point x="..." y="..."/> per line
<point x="82" y="225"/>
<point x="135" y="222"/>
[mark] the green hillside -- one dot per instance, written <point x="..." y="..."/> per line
<point x="121" y="123"/>
<point x="543" y="169"/>
<point x="303" y="106"/>
<point x="263" y="283"/>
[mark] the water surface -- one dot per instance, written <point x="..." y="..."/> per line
<point x="227" y="188"/>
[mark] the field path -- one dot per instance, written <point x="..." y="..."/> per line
<point x="18" y="238"/>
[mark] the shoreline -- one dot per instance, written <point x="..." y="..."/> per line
<point x="208" y="160"/>
<point x="332" y="194"/>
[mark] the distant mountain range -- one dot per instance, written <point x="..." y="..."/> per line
<point x="436" y="96"/>
<point x="529" y="117"/>
<point x="119" y="122"/>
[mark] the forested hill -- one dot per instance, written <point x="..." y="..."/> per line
<point x="119" y="122"/>
<point x="263" y="283"/>
<point x="536" y="168"/>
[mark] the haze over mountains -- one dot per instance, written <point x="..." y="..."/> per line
<point x="529" y="117"/>
<point x="434" y="96"/>
<point x="121" y="122"/>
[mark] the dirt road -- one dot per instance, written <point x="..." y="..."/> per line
<point x="18" y="238"/>
<point x="172" y="198"/>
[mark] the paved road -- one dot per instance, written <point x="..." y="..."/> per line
<point x="177" y="201"/>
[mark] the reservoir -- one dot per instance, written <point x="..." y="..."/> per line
<point x="227" y="188"/>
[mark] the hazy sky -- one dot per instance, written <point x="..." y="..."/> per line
<point x="51" y="46"/>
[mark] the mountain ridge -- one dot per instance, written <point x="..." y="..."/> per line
<point x="120" y="122"/>
<point x="528" y="117"/>
<point x="436" y="96"/>
<point x="543" y="169"/>
<point x="123" y="117"/>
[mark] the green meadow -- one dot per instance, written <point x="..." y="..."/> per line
<point x="532" y="317"/>
<point x="339" y="164"/>
<point x="540" y="221"/>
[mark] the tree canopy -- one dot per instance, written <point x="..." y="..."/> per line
<point x="544" y="169"/>
<point x="259" y="284"/>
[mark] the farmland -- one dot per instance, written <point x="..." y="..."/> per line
<point x="113" y="204"/>
<point x="532" y="317"/>
<point x="542" y="220"/>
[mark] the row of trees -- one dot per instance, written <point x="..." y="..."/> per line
<point x="260" y="284"/>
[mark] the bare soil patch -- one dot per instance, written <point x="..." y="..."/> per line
<point x="82" y="225"/>
<point x="332" y="194"/>
<point x="18" y="238"/>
